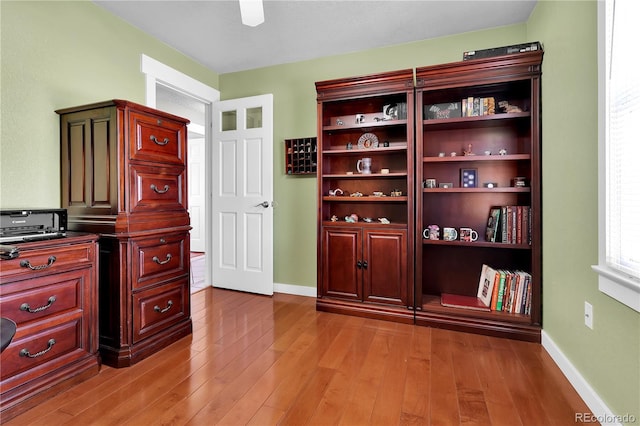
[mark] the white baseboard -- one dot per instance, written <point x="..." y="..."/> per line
<point x="297" y="290"/>
<point x="600" y="411"/>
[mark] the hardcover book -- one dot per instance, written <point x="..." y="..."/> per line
<point x="491" y="234"/>
<point x="485" y="286"/>
<point x="463" y="302"/>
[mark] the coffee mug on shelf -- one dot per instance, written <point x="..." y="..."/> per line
<point x="431" y="232"/>
<point x="449" y="234"/>
<point x="468" y="234"/>
<point x="366" y="166"/>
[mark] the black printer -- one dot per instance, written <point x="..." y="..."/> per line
<point x="18" y="226"/>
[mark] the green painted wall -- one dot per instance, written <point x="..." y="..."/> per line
<point x="293" y="87"/>
<point x="58" y="54"/>
<point x="608" y="356"/>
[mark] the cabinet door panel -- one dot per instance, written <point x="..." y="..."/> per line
<point x="341" y="252"/>
<point x="385" y="276"/>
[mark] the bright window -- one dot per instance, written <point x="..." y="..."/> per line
<point x="619" y="259"/>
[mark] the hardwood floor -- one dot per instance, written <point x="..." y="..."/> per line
<point x="262" y="361"/>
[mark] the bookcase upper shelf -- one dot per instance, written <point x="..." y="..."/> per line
<point x="476" y="121"/>
<point x="469" y="158"/>
<point x="360" y="152"/>
<point x="509" y="189"/>
<point x="366" y="125"/>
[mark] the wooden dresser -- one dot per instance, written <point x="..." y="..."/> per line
<point x="124" y="176"/>
<point x="50" y="292"/>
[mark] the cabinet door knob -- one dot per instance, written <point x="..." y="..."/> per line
<point x="359" y="264"/>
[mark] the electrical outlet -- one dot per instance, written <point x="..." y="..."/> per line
<point x="588" y="315"/>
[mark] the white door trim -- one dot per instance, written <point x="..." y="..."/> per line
<point x="158" y="73"/>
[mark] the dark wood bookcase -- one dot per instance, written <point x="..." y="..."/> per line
<point x="503" y="145"/>
<point x="365" y="267"/>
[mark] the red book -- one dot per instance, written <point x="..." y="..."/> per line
<point x="463" y="302"/>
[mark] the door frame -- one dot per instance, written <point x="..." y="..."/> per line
<point x="158" y="73"/>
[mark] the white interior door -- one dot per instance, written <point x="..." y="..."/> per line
<point x="242" y="194"/>
<point x="196" y="196"/>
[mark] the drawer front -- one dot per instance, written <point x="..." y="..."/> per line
<point x="43" y="351"/>
<point x="155" y="188"/>
<point x="158" y="308"/>
<point x="157" y="139"/>
<point x="160" y="258"/>
<point x="46" y="261"/>
<point x="31" y="300"/>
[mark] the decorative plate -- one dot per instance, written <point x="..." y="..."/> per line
<point x="368" y="140"/>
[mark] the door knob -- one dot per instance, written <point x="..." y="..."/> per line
<point x="264" y="204"/>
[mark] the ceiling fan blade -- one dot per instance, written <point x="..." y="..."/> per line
<point x="252" y="12"/>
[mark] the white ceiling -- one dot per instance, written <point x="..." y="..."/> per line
<point x="210" y="31"/>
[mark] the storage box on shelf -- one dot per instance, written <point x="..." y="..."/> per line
<point x="365" y="173"/>
<point x="499" y="145"/>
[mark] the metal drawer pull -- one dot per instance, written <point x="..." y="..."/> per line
<point x="26" y="307"/>
<point x="159" y="191"/>
<point x="162" y="311"/>
<point x="25" y="351"/>
<point x="164" y="142"/>
<point x="26" y="264"/>
<point x="161" y="262"/>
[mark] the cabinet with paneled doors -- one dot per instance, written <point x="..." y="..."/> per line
<point x="478" y="195"/>
<point x="124" y="176"/>
<point x="365" y="195"/>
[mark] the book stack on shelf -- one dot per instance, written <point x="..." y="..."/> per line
<point x="505" y="291"/>
<point x="475" y="107"/>
<point x="509" y="224"/>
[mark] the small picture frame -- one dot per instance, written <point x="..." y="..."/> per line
<point x="468" y="178"/>
<point x="445" y="185"/>
<point x="430" y="183"/>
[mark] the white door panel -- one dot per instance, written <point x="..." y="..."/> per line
<point x="243" y="194"/>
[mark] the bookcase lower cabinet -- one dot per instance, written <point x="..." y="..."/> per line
<point x="478" y="159"/>
<point x="367" y="266"/>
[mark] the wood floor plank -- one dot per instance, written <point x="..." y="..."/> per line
<point x="262" y="360"/>
<point x="471" y="398"/>
<point x="497" y="396"/>
<point x="363" y="398"/>
<point x="444" y="396"/>
<point x="347" y="362"/>
<point x="388" y="405"/>
<point x="415" y="405"/>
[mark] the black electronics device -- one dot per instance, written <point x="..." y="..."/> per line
<point x="32" y="225"/>
<point x="499" y="51"/>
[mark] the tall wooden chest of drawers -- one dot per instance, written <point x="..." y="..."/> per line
<point x="50" y="292"/>
<point x="124" y="176"/>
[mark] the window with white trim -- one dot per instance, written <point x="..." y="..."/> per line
<point x="619" y="168"/>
